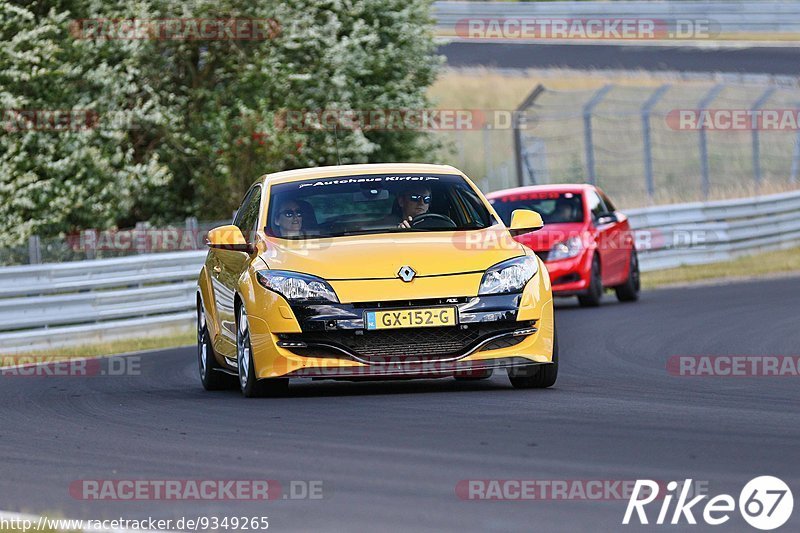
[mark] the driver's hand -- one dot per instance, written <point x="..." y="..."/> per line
<point x="405" y="224"/>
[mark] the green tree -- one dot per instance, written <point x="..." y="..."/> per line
<point x="55" y="179"/>
<point x="197" y="120"/>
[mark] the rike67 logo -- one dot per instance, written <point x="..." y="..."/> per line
<point x="765" y="503"/>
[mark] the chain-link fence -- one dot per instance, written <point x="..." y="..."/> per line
<point x="105" y="244"/>
<point x="646" y="145"/>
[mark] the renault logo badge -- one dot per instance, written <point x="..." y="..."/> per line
<point x="406" y="273"/>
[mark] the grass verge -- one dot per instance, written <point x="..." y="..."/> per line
<point x="183" y="337"/>
<point x="742" y="268"/>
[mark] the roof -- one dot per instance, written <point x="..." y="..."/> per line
<point x="556" y="187"/>
<point x="355" y="170"/>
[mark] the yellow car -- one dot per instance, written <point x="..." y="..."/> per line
<point x="369" y="272"/>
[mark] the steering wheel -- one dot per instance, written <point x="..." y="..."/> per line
<point x="432" y="220"/>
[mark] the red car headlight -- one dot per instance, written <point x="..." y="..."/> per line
<point x="566" y="249"/>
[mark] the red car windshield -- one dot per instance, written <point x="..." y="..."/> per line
<point x="555" y="207"/>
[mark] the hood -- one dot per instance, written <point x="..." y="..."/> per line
<point x="550" y="234"/>
<point x="381" y="256"/>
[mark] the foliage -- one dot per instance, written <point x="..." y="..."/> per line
<point x="184" y="126"/>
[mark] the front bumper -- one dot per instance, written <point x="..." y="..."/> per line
<point x="571" y="276"/>
<point x="330" y="340"/>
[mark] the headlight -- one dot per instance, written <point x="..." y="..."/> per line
<point x="297" y="287"/>
<point x="509" y="276"/>
<point x="565" y="249"/>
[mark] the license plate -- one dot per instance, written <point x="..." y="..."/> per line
<point x="411" y="318"/>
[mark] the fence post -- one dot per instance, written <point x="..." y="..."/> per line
<point x="587" y="131"/>
<point x="520" y="123"/>
<point x="756" y="142"/>
<point x="795" y="159"/>
<point x="704" y="103"/>
<point x="647" y="109"/>
<point x="487" y="153"/>
<point x="192" y="230"/>
<point x="34" y="250"/>
<point x="140" y="237"/>
<point x="795" y="155"/>
<point x="462" y="158"/>
<point x="88" y="242"/>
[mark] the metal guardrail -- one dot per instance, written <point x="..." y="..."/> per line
<point x="669" y="236"/>
<point x="46" y="306"/>
<point x="765" y="17"/>
<point x="82" y="302"/>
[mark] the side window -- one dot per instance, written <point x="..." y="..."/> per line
<point x="609" y="205"/>
<point x="247" y="215"/>
<point x="596" y="205"/>
<point x="474" y="213"/>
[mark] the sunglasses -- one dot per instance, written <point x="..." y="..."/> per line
<point x="289" y="213"/>
<point x="419" y="197"/>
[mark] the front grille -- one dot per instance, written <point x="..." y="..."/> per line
<point x="542" y="255"/>
<point x="400" y="344"/>
<point x="503" y="342"/>
<point x="569" y="278"/>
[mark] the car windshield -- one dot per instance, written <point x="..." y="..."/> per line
<point x="374" y="203"/>
<point x="555" y="207"/>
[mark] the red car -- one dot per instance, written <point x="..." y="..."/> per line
<point x="586" y="243"/>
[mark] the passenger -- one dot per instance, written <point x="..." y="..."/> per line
<point x="288" y="219"/>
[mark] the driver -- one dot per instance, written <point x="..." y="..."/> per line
<point x="413" y="202"/>
<point x="563" y="211"/>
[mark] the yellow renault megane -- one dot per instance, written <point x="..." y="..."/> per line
<point x="372" y="272"/>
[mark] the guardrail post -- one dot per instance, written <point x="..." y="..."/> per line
<point x="34" y="250"/>
<point x="587" y="131"/>
<point x="647" y="109"/>
<point x="520" y="123"/>
<point x="704" y="103"/>
<point x="754" y="125"/>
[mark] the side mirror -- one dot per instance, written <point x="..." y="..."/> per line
<point x="525" y="221"/>
<point x="607" y="218"/>
<point x="229" y="238"/>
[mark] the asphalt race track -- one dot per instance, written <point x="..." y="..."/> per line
<point x="755" y="60"/>
<point x="390" y="455"/>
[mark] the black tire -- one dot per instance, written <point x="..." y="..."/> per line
<point x="536" y="376"/>
<point x="629" y="291"/>
<point x="248" y="384"/>
<point x="211" y="376"/>
<point x="595" y="291"/>
<point x="484" y="375"/>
